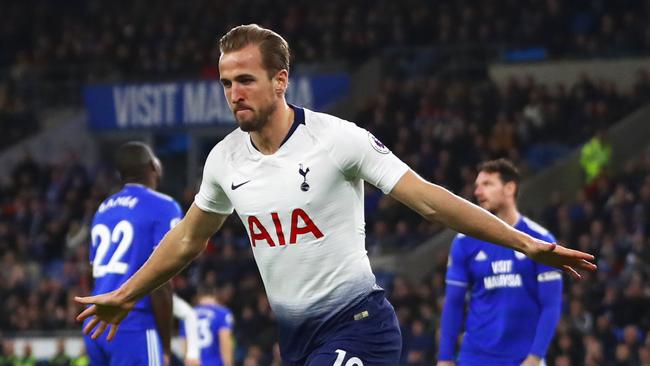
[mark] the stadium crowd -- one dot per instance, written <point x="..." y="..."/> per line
<point x="52" y="50"/>
<point x="94" y="40"/>
<point x="48" y="52"/>
<point x="17" y="118"/>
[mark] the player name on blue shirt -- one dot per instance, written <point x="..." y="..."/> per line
<point x="123" y="201"/>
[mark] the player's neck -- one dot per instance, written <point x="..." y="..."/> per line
<point x="207" y="302"/>
<point x="270" y="137"/>
<point x="151" y="184"/>
<point x="509" y="215"/>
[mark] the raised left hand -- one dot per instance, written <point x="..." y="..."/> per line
<point x="568" y="260"/>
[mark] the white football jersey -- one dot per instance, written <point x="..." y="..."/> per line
<point x="303" y="208"/>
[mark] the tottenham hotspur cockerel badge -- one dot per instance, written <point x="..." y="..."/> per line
<point x="304" y="186"/>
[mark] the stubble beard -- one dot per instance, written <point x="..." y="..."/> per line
<point x="259" y="120"/>
<point x="489" y="207"/>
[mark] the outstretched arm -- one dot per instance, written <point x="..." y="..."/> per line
<point x="177" y="249"/>
<point x="438" y="204"/>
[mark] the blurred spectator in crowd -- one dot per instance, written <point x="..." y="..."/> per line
<point x="60" y="358"/>
<point x="82" y="359"/>
<point x="595" y="155"/>
<point x="27" y="358"/>
<point x="8" y="356"/>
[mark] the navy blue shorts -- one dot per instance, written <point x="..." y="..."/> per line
<point x="128" y="348"/>
<point x="369" y="335"/>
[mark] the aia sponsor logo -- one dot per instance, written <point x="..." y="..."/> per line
<point x="301" y="224"/>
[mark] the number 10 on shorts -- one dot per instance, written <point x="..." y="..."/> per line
<point x="353" y="361"/>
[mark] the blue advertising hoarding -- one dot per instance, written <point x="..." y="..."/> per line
<point x="192" y="103"/>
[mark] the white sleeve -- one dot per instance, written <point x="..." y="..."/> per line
<point x="211" y="197"/>
<point x="184" y="311"/>
<point x="361" y="155"/>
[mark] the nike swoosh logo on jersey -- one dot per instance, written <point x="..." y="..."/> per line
<point x="233" y="186"/>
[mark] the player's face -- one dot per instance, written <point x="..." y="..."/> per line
<point x="490" y="191"/>
<point x="248" y="89"/>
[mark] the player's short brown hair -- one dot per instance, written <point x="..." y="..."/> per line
<point x="274" y="49"/>
<point x="507" y="170"/>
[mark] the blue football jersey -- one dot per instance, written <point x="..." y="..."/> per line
<point x="508" y="292"/>
<point x="211" y="319"/>
<point x="125" y="230"/>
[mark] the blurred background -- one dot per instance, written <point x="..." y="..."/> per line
<point x="559" y="87"/>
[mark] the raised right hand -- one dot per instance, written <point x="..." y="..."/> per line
<point x="106" y="309"/>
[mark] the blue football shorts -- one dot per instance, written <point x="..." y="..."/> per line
<point x="128" y="348"/>
<point x="368" y="335"/>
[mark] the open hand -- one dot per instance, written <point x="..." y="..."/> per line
<point x="569" y="260"/>
<point x="106" y="309"/>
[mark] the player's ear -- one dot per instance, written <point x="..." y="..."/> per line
<point x="156" y="166"/>
<point x="510" y="188"/>
<point x="281" y="81"/>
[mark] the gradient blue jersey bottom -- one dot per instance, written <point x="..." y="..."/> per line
<point x="367" y="334"/>
<point x="128" y="348"/>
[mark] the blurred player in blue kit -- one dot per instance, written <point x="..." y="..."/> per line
<point x="125" y="230"/>
<point x="515" y="302"/>
<point x="215" y="323"/>
<point x="189" y="329"/>
<point x="295" y="178"/>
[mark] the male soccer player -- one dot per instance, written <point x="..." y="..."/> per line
<point x="296" y="178"/>
<point x="125" y="230"/>
<point x="215" y="324"/>
<point x="515" y="303"/>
